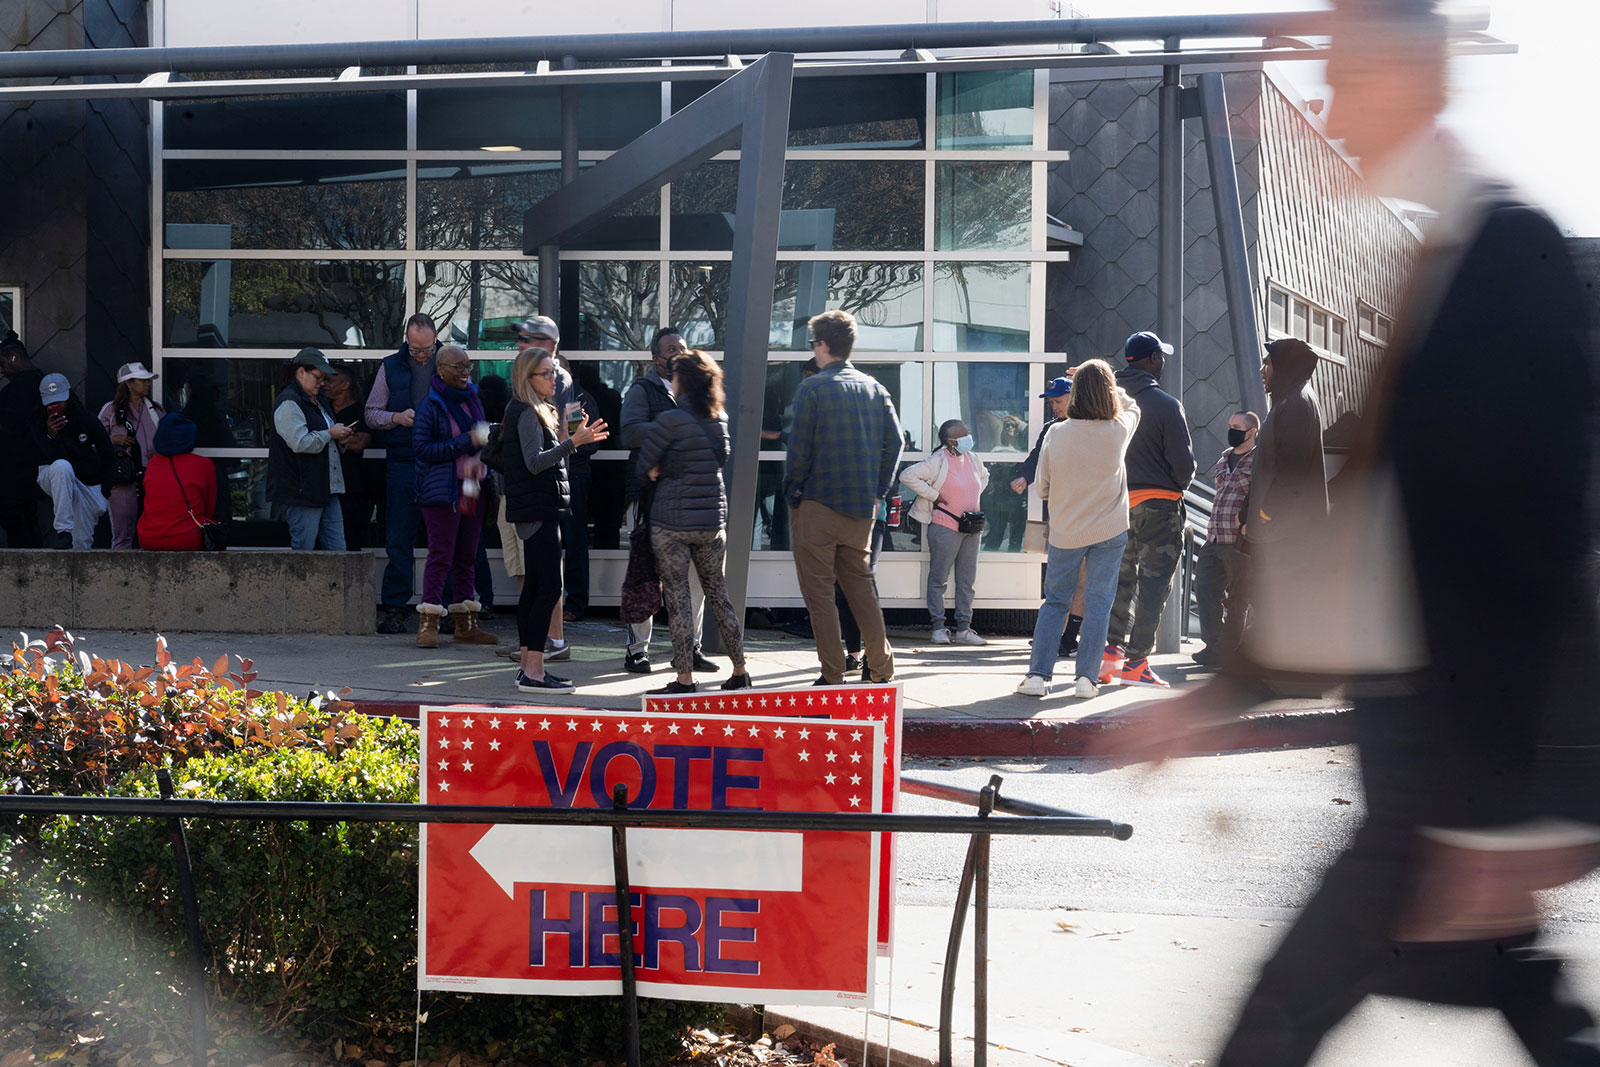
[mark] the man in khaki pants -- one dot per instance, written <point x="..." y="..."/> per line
<point x="844" y="448"/>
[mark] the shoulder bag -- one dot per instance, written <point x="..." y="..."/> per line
<point x="213" y="535"/>
<point x="968" y="522"/>
<point x="126" y="461"/>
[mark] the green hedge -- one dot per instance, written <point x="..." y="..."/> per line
<point x="311" y="927"/>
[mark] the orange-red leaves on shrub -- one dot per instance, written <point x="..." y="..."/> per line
<point x="163" y="657"/>
<point x="221" y="666"/>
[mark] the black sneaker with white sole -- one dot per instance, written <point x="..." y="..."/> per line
<point x="548" y="684"/>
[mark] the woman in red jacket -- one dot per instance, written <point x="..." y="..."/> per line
<point x="180" y="490"/>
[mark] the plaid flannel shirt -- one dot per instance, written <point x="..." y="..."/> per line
<point x="1233" y="486"/>
<point x="844" y="442"/>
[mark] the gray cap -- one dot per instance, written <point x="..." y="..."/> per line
<point x="54" y="388"/>
<point x="539" y="326"/>
<point x="313" y="358"/>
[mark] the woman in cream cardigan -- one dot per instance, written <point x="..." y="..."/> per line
<point x="1082" y="475"/>
<point x="948" y="483"/>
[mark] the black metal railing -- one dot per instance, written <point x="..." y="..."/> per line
<point x="1036" y="820"/>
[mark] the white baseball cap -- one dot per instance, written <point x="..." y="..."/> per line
<point x="129" y="371"/>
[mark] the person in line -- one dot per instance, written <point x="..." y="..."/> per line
<point x="1289" y="489"/>
<point x="1058" y="394"/>
<point x="684" y="456"/>
<point x="1160" y="467"/>
<point x="447" y="436"/>
<point x="305" y="474"/>
<point x="536" y="449"/>
<point x="1219" y="577"/>
<point x="75" y="456"/>
<point x="844" y="447"/>
<point x="541" y="332"/>
<point x="947" y="484"/>
<point x="130" y="417"/>
<point x="20" y="412"/>
<point x="402" y="382"/>
<point x="1083" y="475"/>
<point x="1477" y="793"/>
<point x="847" y="619"/>
<point x="648" y="398"/>
<point x="357" y="503"/>
<point x="180" y="489"/>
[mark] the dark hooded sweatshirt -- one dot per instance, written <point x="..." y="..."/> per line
<point x="1289" y="489"/>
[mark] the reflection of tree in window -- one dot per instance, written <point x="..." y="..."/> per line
<point x="292" y="203"/>
<point x="484" y="295"/>
<point x="338" y="304"/>
<point x="699" y="302"/>
<point x="618" y="304"/>
<point x="473" y="206"/>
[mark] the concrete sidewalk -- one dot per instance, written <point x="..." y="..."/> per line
<point x="1099" y="989"/>
<point x="958" y="701"/>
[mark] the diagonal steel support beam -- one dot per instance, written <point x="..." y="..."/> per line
<point x="750" y="109"/>
<point x="707" y="126"/>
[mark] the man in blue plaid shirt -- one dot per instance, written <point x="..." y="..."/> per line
<point x="844" y="449"/>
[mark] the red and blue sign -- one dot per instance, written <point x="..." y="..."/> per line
<point x="747" y="916"/>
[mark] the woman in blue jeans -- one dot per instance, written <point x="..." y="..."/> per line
<point x="1082" y="476"/>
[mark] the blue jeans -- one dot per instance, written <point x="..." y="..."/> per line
<point x="321" y="528"/>
<point x="402" y="516"/>
<point x="1060" y="582"/>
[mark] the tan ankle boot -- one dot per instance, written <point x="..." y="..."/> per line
<point x="428" y="616"/>
<point x="467" y="629"/>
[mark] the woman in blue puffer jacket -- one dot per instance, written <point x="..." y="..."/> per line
<point x="447" y="436"/>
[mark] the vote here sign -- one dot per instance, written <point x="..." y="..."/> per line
<point x="745" y="916"/>
<point x="844" y="703"/>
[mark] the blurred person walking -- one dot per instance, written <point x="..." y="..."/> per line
<point x="1082" y="474"/>
<point x="684" y="456"/>
<point x="1476" y="795"/>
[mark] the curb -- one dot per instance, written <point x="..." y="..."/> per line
<point x="1040" y="738"/>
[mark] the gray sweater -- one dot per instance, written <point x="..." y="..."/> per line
<point x="692" y="451"/>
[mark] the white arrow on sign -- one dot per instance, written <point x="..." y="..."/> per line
<point x="669" y="858"/>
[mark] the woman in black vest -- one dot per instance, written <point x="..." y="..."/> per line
<point x="536" y="449"/>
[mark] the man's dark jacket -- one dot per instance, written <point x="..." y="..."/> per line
<point x="1288" y="499"/>
<point x="82" y="442"/>
<point x="1161" y="455"/>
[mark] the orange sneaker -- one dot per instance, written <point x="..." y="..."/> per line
<point x="1138" y="672"/>
<point x="1111" y="663"/>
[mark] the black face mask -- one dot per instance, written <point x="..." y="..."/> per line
<point x="1236" y="437"/>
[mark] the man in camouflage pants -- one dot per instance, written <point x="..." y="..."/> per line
<point x="1160" y="466"/>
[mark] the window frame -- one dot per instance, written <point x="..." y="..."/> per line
<point x="17" y="310"/>
<point x="1300" y="308"/>
<point x="1373" y="336"/>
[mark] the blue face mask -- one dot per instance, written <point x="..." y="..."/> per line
<point x="964" y="444"/>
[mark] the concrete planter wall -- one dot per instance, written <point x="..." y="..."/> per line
<point x="225" y="592"/>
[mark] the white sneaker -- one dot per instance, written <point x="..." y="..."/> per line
<point x="1033" y="686"/>
<point x="1085" y="689"/>
<point x="941" y="636"/>
<point x="967" y="637"/>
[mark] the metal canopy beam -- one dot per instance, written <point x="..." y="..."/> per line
<point x="709" y="43"/>
<point x="752" y="109"/>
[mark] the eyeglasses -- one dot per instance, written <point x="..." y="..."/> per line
<point x="813" y="343"/>
<point x="461" y="365"/>
<point x="543" y="374"/>
<point x="428" y="351"/>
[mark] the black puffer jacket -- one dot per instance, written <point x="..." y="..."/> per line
<point x="692" y="452"/>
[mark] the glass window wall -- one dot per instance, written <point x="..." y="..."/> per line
<point x="618" y="305"/>
<point x="347" y="122"/>
<point x="885" y="298"/>
<point x="985" y="110"/>
<point x="285" y="203"/>
<point x="991" y="398"/>
<point x="981" y="307"/>
<point x="282" y="303"/>
<point x="983" y="206"/>
<point x="477" y="302"/>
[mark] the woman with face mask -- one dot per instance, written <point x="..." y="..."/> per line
<point x="948" y="484"/>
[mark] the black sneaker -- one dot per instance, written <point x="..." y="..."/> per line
<point x="548" y="684"/>
<point x="852" y="662"/>
<point x="556" y="678"/>
<point x="64" y="539"/>
<point x="393" y="621"/>
<point x="1067" y="648"/>
<point x="824" y="681"/>
<point x="868" y="679"/>
<point x="703" y="665"/>
<point x="674" y="687"/>
<point x="637" y="662"/>
<point x="738" y="681"/>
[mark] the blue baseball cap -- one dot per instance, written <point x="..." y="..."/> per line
<point x="1058" y="387"/>
<point x="1142" y="345"/>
